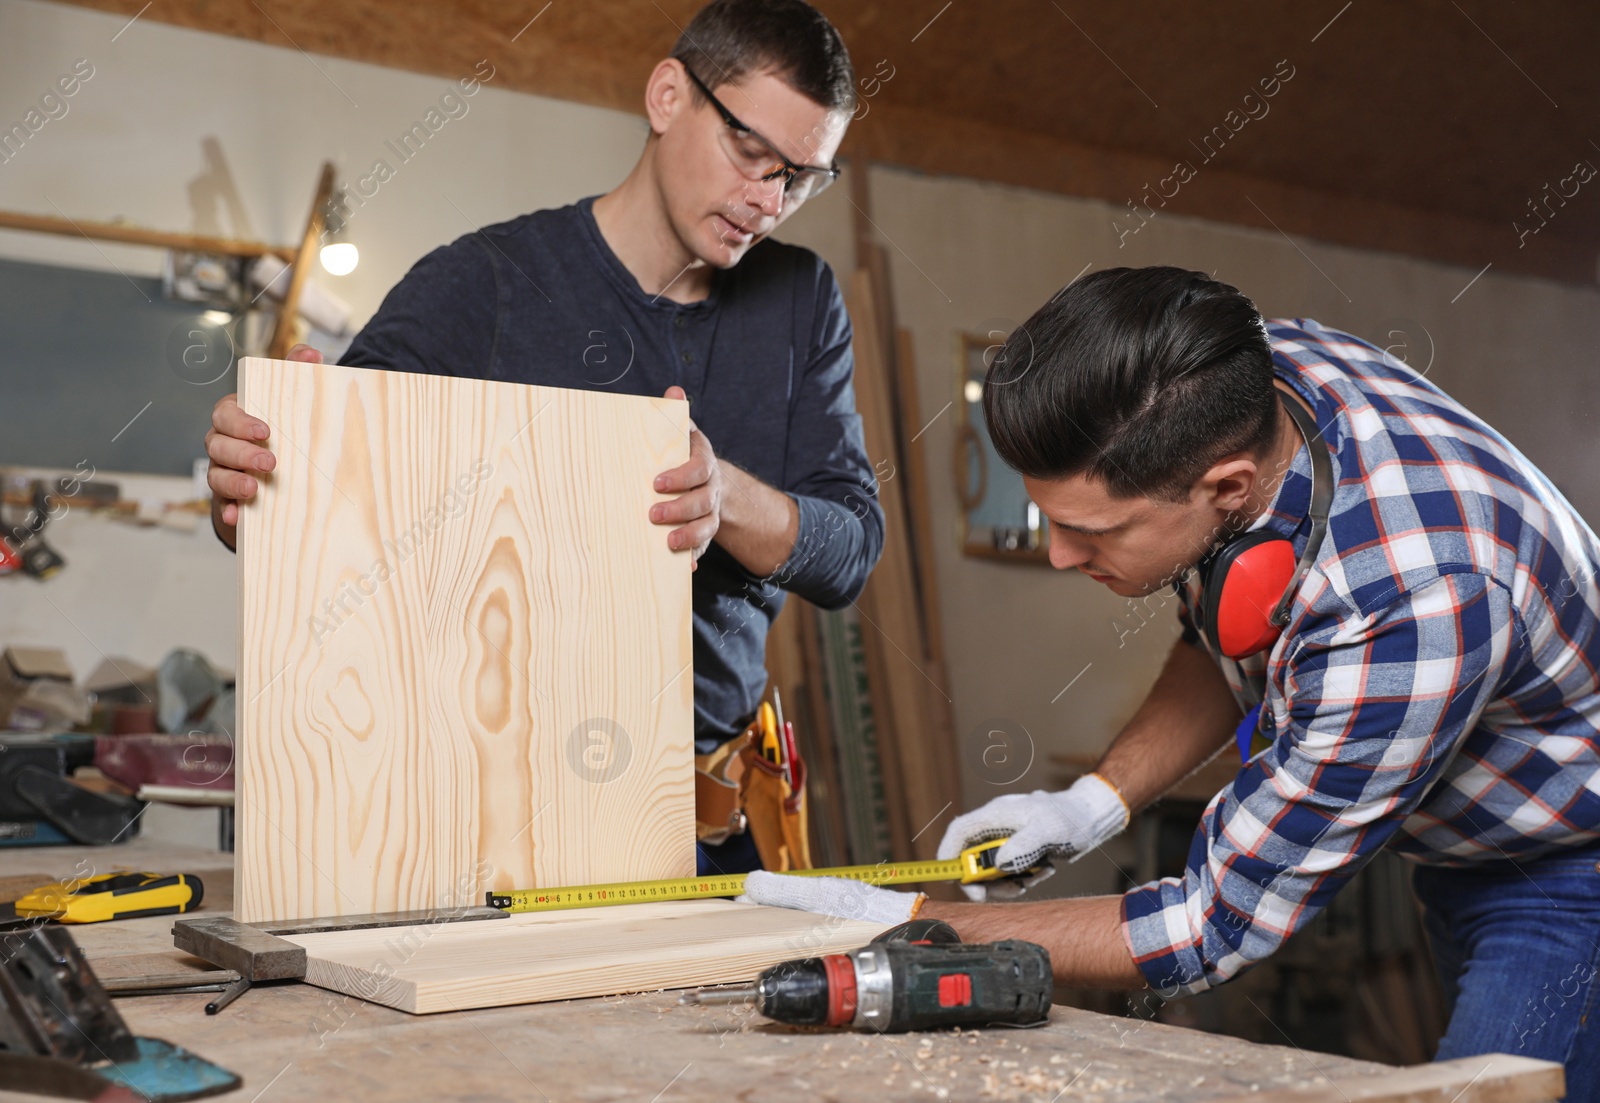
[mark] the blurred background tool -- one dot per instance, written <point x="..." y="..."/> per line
<point x="118" y="895"/>
<point x="23" y="545"/>
<point x="41" y="804"/>
<point x="73" y="787"/>
<point x="60" y="1036"/>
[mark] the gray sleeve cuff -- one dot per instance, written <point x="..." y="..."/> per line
<point x="833" y="553"/>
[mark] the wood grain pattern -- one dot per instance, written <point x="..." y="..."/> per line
<point x="464" y="650"/>
<point x="535" y="957"/>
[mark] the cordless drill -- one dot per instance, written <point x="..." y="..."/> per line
<point x="917" y="976"/>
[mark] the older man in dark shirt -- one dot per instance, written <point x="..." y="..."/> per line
<point x="637" y="292"/>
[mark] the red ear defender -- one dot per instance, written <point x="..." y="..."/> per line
<point x="1254" y="575"/>
<point x="1241" y="583"/>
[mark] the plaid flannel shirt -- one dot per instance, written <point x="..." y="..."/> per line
<point x="1435" y="689"/>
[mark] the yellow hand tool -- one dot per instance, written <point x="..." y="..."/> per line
<point x="113" y="896"/>
<point x="771" y="741"/>
<point x="976" y="863"/>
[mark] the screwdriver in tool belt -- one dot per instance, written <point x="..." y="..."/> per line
<point x="918" y="976"/>
<point x="771" y="740"/>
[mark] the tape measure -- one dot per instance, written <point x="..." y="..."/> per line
<point x="975" y="864"/>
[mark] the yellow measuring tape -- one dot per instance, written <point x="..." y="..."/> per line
<point x="975" y="864"/>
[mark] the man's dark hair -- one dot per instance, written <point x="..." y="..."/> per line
<point x="1139" y="377"/>
<point x="730" y="39"/>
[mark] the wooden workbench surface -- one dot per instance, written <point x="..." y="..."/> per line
<point x="295" y="1042"/>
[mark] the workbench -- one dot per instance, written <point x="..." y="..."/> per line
<point x="296" y="1042"/>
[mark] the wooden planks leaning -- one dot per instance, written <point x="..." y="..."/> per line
<point x="464" y="650"/>
<point x="538" y="956"/>
<point x="912" y="709"/>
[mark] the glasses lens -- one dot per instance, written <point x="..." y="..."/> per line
<point x="759" y="163"/>
<point x="808" y="184"/>
<point x="750" y="155"/>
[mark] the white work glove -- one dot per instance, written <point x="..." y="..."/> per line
<point x="1041" y="825"/>
<point x="835" y="896"/>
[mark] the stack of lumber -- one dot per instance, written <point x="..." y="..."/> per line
<point x="880" y="725"/>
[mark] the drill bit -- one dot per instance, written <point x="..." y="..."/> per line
<point x="709" y="996"/>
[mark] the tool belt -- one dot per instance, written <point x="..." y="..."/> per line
<point x="739" y="789"/>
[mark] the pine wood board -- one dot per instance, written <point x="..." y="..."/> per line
<point x="539" y="956"/>
<point x="464" y="657"/>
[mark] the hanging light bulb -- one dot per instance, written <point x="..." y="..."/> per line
<point x="339" y="254"/>
<point x="340" y="258"/>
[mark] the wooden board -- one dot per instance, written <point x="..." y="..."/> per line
<point x="534" y="957"/>
<point x="464" y="653"/>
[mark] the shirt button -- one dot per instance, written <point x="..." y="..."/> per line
<point x="688" y="358"/>
<point x="681" y="321"/>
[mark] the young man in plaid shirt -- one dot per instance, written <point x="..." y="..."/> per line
<point x="1433" y="688"/>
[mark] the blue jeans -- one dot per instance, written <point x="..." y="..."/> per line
<point x="1518" y="949"/>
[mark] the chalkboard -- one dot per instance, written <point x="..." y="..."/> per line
<point x="97" y="368"/>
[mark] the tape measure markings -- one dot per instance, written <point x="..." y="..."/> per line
<point x="701" y="888"/>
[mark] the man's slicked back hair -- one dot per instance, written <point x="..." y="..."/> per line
<point x="1141" y="378"/>
<point x="728" y="40"/>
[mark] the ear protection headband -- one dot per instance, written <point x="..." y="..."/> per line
<point x="1248" y="584"/>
